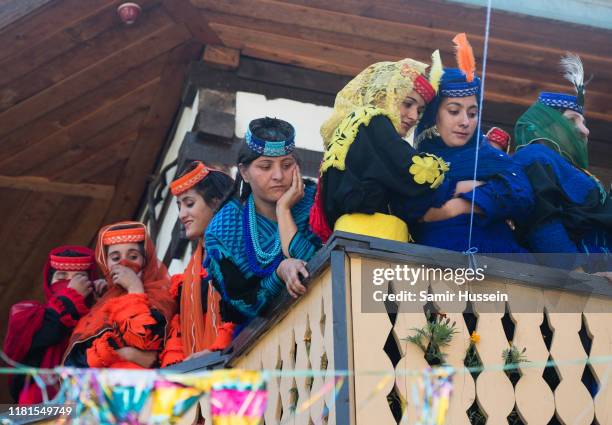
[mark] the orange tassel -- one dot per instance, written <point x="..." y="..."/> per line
<point x="465" y="56"/>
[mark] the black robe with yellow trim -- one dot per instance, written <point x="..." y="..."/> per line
<point x="377" y="169"/>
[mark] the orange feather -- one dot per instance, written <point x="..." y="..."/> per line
<point x="465" y="56"/>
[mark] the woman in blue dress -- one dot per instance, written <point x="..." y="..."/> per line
<point x="501" y="191"/>
<point x="572" y="220"/>
<point x="259" y="242"/>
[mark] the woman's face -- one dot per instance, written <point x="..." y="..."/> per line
<point x="269" y="176"/>
<point x="194" y="213"/>
<point x="457" y="119"/>
<point x="65" y="275"/>
<point x="579" y="122"/>
<point x="410" y="111"/>
<point x="124" y="251"/>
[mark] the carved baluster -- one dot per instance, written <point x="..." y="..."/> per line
<point x="410" y="316"/>
<point x="464" y="389"/>
<point x="535" y="401"/>
<point x="573" y="401"/>
<point x="370" y="332"/>
<point x="493" y="388"/>
<point x="598" y="318"/>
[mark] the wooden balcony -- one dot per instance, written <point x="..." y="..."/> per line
<point x="555" y="316"/>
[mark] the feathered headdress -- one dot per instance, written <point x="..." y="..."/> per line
<point x="574" y="73"/>
<point x="436" y="71"/>
<point x="465" y="56"/>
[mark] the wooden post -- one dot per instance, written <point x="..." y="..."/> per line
<point x="222" y="57"/>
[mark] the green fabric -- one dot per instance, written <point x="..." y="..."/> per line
<point x="543" y="122"/>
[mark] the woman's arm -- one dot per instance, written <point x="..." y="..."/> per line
<point x="61" y="315"/>
<point x="286" y="225"/>
<point x="506" y="196"/>
<point x="142" y="358"/>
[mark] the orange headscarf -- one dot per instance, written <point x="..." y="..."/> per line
<point x="155" y="280"/>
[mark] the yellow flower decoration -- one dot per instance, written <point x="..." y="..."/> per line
<point x="428" y="169"/>
<point x="474" y="338"/>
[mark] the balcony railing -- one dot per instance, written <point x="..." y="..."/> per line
<point x="560" y="318"/>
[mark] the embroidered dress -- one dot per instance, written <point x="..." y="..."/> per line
<point x="243" y="251"/>
<point x="199" y="324"/>
<point x="120" y="319"/>
<point x="365" y="161"/>
<point x="506" y="194"/>
<point x="38" y="333"/>
<point x="573" y="212"/>
<point x="216" y="333"/>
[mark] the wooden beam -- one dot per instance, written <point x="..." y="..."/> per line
<point x="222" y="57"/>
<point x="77" y="109"/>
<point x="320" y="56"/>
<point x="83" y="56"/>
<point x="45" y="228"/>
<point x="414" y="35"/>
<point x="463" y="18"/>
<point x="202" y="75"/>
<point x="114" y="153"/>
<point x="25" y="34"/>
<point x="183" y="12"/>
<point x="11" y="206"/>
<point x="335" y="59"/>
<point x="38" y="153"/>
<point x="323" y="56"/>
<point x="88" y="147"/>
<point x="275" y="80"/>
<point x="499" y="62"/>
<point x="20" y="241"/>
<point x="291" y="76"/>
<point x="81" y="32"/>
<point x="303" y="23"/>
<point x="95" y="76"/>
<point x="42" y="184"/>
<point x="132" y="182"/>
<point x="216" y="113"/>
<point x="13" y="10"/>
<point x="89" y="222"/>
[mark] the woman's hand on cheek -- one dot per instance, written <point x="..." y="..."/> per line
<point x="295" y="192"/>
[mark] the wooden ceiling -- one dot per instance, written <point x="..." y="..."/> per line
<point x="345" y="36"/>
<point x="86" y="103"/>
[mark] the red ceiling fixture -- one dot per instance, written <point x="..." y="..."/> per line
<point x="129" y="12"/>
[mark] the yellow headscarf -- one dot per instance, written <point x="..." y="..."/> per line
<point x="379" y="89"/>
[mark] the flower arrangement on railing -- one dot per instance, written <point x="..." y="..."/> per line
<point x="471" y="356"/>
<point x="433" y="337"/>
<point x="513" y="356"/>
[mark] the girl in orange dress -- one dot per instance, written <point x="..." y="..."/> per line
<point x="199" y="326"/>
<point x="126" y="328"/>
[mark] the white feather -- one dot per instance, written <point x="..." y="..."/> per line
<point x="573" y="70"/>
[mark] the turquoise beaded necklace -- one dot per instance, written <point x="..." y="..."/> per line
<point x="262" y="256"/>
